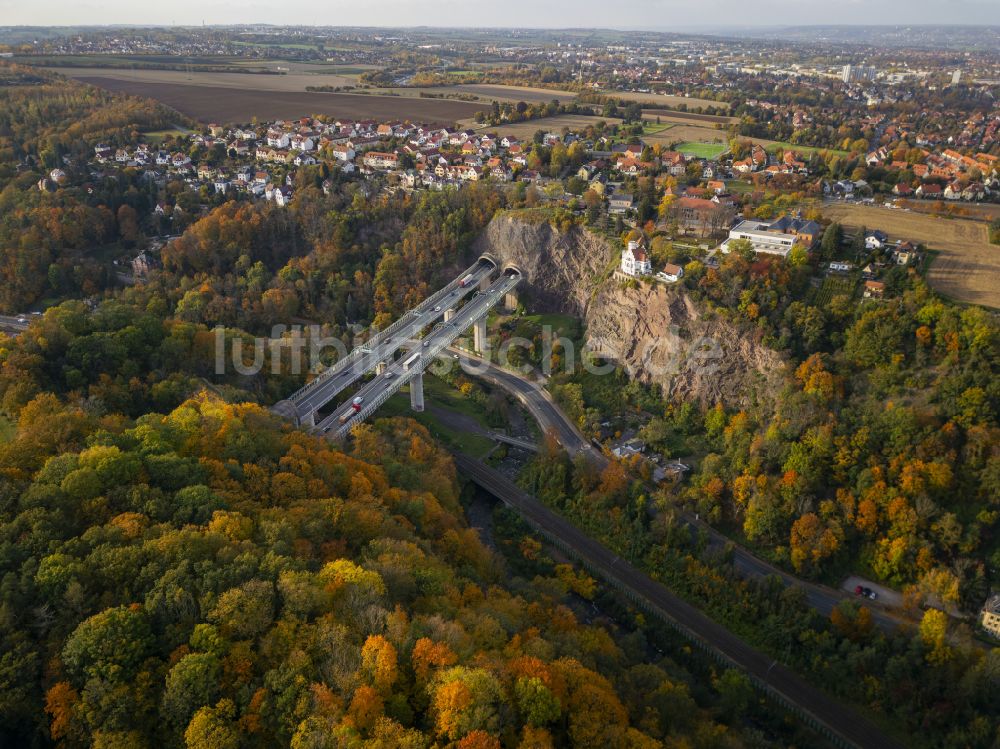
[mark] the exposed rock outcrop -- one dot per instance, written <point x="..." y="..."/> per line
<point x="562" y="270"/>
<point x="657" y="332"/>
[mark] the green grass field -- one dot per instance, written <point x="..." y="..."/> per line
<point x="651" y="128"/>
<point x="701" y="150"/>
<point x="738" y="186"/>
<point x="565" y="325"/>
<point x="158" y="136"/>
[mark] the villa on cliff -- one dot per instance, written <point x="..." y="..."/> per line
<point x="635" y="261"/>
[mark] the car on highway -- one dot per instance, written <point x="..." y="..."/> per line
<point x="426" y="343"/>
<point x="865" y="592"/>
<point x="358" y="400"/>
<point x="326" y="429"/>
<point x="23" y="320"/>
<point x="389" y="375"/>
<point x="438" y="308"/>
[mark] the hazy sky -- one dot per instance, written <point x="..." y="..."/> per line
<point x="653" y="14"/>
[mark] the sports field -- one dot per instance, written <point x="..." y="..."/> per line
<point x="701" y="150"/>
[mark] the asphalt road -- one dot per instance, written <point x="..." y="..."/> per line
<point x="433" y="344"/>
<point x="550" y="417"/>
<point x="825" y="713"/>
<point x="536" y="400"/>
<point x="345" y="373"/>
<point x="13" y="323"/>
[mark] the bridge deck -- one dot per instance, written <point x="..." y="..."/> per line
<point x="384" y="344"/>
<point x="380" y="389"/>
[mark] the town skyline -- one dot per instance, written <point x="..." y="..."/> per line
<point x="658" y="15"/>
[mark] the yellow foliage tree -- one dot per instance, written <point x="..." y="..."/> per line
<point x="378" y="663"/>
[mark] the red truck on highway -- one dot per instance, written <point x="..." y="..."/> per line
<point x="355" y="407"/>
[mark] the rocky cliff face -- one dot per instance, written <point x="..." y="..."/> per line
<point x="659" y="335"/>
<point x="561" y="270"/>
<point x="656" y="332"/>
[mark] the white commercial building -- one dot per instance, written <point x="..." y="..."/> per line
<point x="763" y="240"/>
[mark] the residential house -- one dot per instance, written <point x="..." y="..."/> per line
<point x="904" y="253"/>
<point x="671" y="273"/>
<point x="143" y="263"/>
<point x="343" y="153"/>
<point x="989" y="618"/>
<point x="277" y="139"/>
<point x="876" y="240"/>
<point x="380" y="160"/>
<point x="598" y="184"/>
<point x="620" y="203"/>
<point x="635" y="261"/>
<point x="874" y="289"/>
<point x="700" y="214"/>
<point x="674" y="163"/>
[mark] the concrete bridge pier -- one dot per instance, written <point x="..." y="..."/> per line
<point x="380" y="368"/>
<point x="484" y="283"/>
<point x="417" y="392"/>
<point x="510" y="300"/>
<point x="448" y="314"/>
<point x="479" y="336"/>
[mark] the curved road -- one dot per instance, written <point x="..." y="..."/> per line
<point x="550" y="417"/>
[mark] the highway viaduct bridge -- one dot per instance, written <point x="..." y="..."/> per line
<point x="463" y="303"/>
<point x="448" y="313"/>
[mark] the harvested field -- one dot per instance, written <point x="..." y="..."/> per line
<point x="289" y="82"/>
<point x="490" y="91"/>
<point x="688" y="133"/>
<point x="525" y="130"/>
<point x="663" y="100"/>
<point x="982" y="211"/>
<point x="295" y="77"/>
<point x="967" y="266"/>
<point x="221" y="104"/>
<point x="672" y="115"/>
